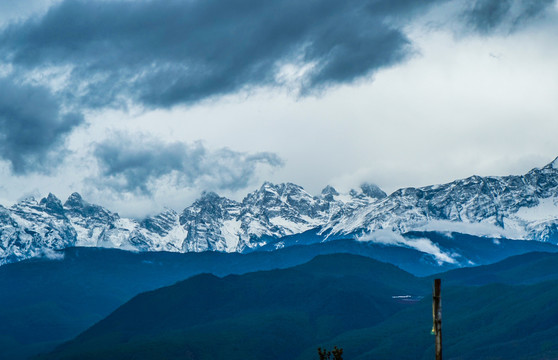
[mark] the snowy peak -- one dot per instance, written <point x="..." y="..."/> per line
<point x="209" y="206"/>
<point x="30" y="207"/>
<point x="274" y="194"/>
<point x="202" y="223"/>
<point x="26" y="203"/>
<point x="76" y="207"/>
<point x="274" y="211"/>
<point x="280" y="200"/>
<point x="329" y="192"/>
<point x="52" y="204"/>
<point x="74" y="201"/>
<point x="30" y="228"/>
<point x="372" y="191"/>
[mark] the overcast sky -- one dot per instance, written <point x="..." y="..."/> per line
<point x="142" y="104"/>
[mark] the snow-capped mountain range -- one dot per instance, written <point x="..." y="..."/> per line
<point x="517" y="207"/>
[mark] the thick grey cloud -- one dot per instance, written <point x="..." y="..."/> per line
<point x="486" y="16"/>
<point x="33" y="127"/>
<point x="168" y="52"/>
<point x="163" y="53"/>
<point x="136" y="166"/>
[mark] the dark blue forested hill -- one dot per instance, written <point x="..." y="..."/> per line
<point x="44" y="302"/>
<point x="350" y="301"/>
<point x="262" y="315"/>
<point x="494" y="321"/>
<point x="524" y="269"/>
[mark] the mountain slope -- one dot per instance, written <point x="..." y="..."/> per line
<point x="60" y="298"/>
<point x="528" y="268"/>
<point x="275" y="313"/>
<point x="44" y="302"/>
<point x="495" y="321"/>
<point x="344" y="300"/>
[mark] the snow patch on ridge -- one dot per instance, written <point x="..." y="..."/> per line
<point x="231" y="232"/>
<point x="174" y="238"/>
<point x="482" y="229"/>
<point x="547" y="209"/>
<point x="289" y="227"/>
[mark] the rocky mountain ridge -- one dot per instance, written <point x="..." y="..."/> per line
<point x="33" y="228"/>
<point x="517" y="206"/>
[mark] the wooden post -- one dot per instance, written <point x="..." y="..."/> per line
<point x="437" y="316"/>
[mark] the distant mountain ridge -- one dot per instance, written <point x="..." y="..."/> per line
<point x="517" y="206"/>
<point x="33" y="228"/>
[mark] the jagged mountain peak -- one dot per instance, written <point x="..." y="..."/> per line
<point x="281" y="188"/>
<point x="329" y="190"/>
<point x="74" y="200"/>
<point x="329" y="193"/>
<point x="373" y="191"/>
<point x="209" y="196"/>
<point x="29" y="200"/>
<point x="210" y="199"/>
<point x="75" y="205"/>
<point x="273" y="194"/>
<point x="50" y="198"/>
<point x="268" y="187"/>
<point x="368" y="190"/>
<point x="52" y="203"/>
<point x="209" y="206"/>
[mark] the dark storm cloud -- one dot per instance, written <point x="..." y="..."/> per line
<point x="33" y="127"/>
<point x="136" y="165"/>
<point x="163" y="53"/>
<point x="168" y="52"/>
<point x="486" y="16"/>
